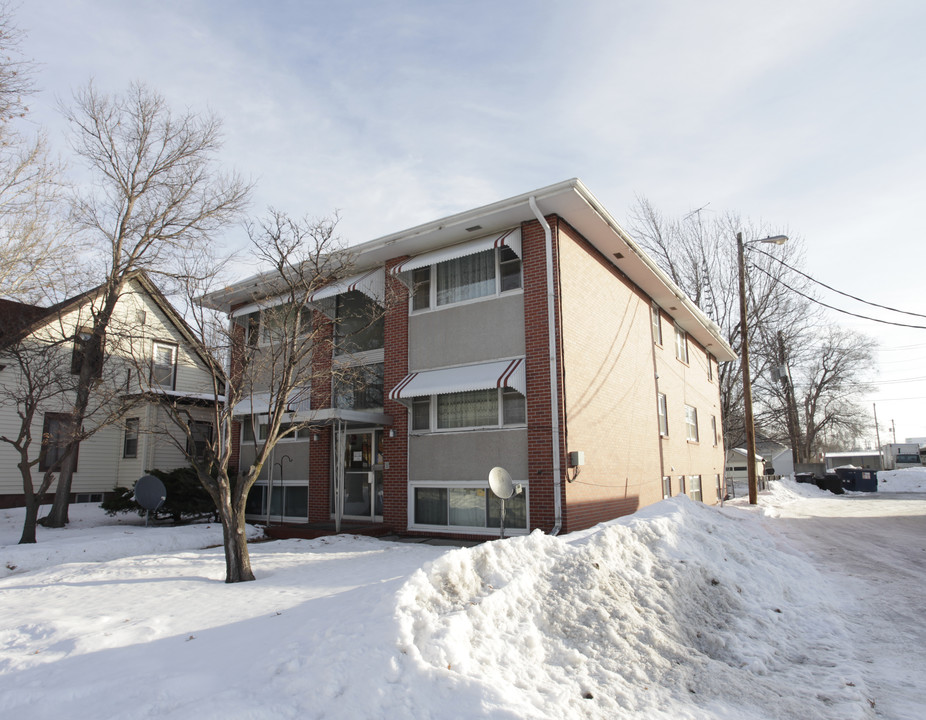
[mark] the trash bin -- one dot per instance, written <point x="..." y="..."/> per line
<point x="858" y="480"/>
<point x="805" y="478"/>
<point x="833" y="483"/>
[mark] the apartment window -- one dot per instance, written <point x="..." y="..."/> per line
<point x="163" y="365"/>
<point x="470" y="409"/>
<point x="710" y="368"/>
<point x="719" y="487"/>
<point x="359" y="387"/>
<point x="56" y="432"/>
<point x="359" y="324"/>
<point x="277" y="323"/>
<point x="691" y="423"/>
<point x="460" y="505"/>
<point x="694" y="487"/>
<point x="249" y="327"/>
<point x="714" y="428"/>
<point x="681" y="484"/>
<point x="247" y="431"/>
<point x="663" y="416"/>
<point x="130" y="438"/>
<point x="666" y="486"/>
<point x="681" y="344"/>
<point x="470" y="277"/>
<point x="657" y="324"/>
<point x="201" y="432"/>
<point x="83" y="345"/>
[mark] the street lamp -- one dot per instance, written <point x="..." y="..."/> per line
<point x="747" y="383"/>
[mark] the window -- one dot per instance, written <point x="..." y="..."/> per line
<point x="202" y="434"/>
<point x="163" y="365"/>
<point x="710" y="368"/>
<point x="277" y="323"/>
<point x="287" y="501"/>
<point x="470" y="409"/>
<point x="719" y="487"/>
<point x="681" y="484"/>
<point x="56" y="432"/>
<point x="657" y="324"/>
<point x="83" y="345"/>
<point x="130" y="440"/>
<point x="714" y="428"/>
<point x="249" y="327"/>
<point x="470" y="277"/>
<point x="691" y="423"/>
<point x="359" y="323"/>
<point x="694" y="487"/>
<point x="359" y="387"/>
<point x="663" y="416"/>
<point x="666" y="486"/>
<point x="247" y="432"/>
<point x="681" y="345"/>
<point x="465" y="506"/>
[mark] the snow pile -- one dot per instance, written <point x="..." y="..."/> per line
<point x="676" y="612"/>
<point x="905" y="480"/>
<point x="101" y="538"/>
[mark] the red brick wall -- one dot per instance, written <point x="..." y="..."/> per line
<point x="539" y="416"/>
<point x="395" y="449"/>
<point x="320" y="476"/>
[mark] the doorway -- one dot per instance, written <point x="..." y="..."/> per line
<point x="362" y="498"/>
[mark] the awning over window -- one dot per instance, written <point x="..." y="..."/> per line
<point x="502" y="373"/>
<point x="371" y="283"/>
<point x="509" y="238"/>
<point x="259" y="403"/>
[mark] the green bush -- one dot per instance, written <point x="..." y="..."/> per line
<point x="186" y="499"/>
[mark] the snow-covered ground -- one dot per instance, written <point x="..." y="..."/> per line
<point x="680" y="611"/>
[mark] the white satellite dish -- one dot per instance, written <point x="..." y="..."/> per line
<point x="501" y="483"/>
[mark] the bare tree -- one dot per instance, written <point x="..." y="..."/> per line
<point x="156" y="198"/>
<point x="699" y="254"/>
<point x="269" y="361"/>
<point x="31" y="221"/>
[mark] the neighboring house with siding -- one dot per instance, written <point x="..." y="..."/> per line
<point x="532" y="334"/>
<point x="148" y="349"/>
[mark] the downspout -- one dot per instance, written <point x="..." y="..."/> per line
<point x="554" y="384"/>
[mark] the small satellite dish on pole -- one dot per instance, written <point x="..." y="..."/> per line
<point x="150" y="493"/>
<point x="503" y="486"/>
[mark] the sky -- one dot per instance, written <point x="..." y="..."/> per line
<point x="804" y="116"/>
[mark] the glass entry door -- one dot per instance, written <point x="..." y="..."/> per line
<point x="363" y="475"/>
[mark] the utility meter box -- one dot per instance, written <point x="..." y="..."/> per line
<point x="576" y="458"/>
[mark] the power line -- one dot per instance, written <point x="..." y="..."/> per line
<point x="840" y="292"/>
<point x="839" y="310"/>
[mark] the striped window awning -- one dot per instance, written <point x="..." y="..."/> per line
<point x="509" y="238"/>
<point x="484" y="376"/>
<point x="371" y="283"/>
<point x="259" y="403"/>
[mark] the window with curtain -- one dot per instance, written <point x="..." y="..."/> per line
<point x="466" y="278"/>
<point x="467" y="409"/>
<point x="691" y="423"/>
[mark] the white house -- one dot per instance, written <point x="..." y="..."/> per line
<point x="148" y="348"/>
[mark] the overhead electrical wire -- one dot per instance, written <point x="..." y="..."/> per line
<point x="829" y="287"/>
<point x="839" y="310"/>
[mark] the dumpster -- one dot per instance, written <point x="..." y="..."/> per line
<point x="805" y="477"/>
<point x="831" y="482"/>
<point x="858" y="480"/>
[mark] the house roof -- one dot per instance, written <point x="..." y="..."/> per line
<point x="570" y="200"/>
<point x="14" y="316"/>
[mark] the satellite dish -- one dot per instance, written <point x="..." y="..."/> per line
<point x="501" y="483"/>
<point x="150" y="492"/>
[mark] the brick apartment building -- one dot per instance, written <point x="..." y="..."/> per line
<point x="531" y="334"/>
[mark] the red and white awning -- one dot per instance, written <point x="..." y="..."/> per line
<point x="509" y="238"/>
<point x="484" y="376"/>
<point x="371" y="283"/>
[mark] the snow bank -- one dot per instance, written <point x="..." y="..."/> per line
<point x="905" y="480"/>
<point x="676" y="612"/>
<point x="93" y="536"/>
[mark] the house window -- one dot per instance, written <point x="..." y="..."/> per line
<point x="56" y="432"/>
<point x="359" y="387"/>
<point x="83" y="345"/>
<point x="681" y="484"/>
<point x="657" y="324"/>
<point x="710" y="368"/>
<point x="694" y="487"/>
<point x="196" y="445"/>
<point x="464" y="505"/>
<point x="470" y="277"/>
<point x="663" y="416"/>
<point x="666" y="486"/>
<point x="470" y="409"/>
<point x="691" y="423"/>
<point x="714" y="428"/>
<point x="681" y="344"/>
<point x="130" y="439"/>
<point x="163" y="365"/>
<point x="359" y="324"/>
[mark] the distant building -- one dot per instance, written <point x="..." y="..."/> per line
<point x="866" y="459"/>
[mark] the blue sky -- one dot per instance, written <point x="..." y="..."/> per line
<point x="807" y="116"/>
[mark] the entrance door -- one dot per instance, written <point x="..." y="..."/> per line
<point x="363" y="475"/>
